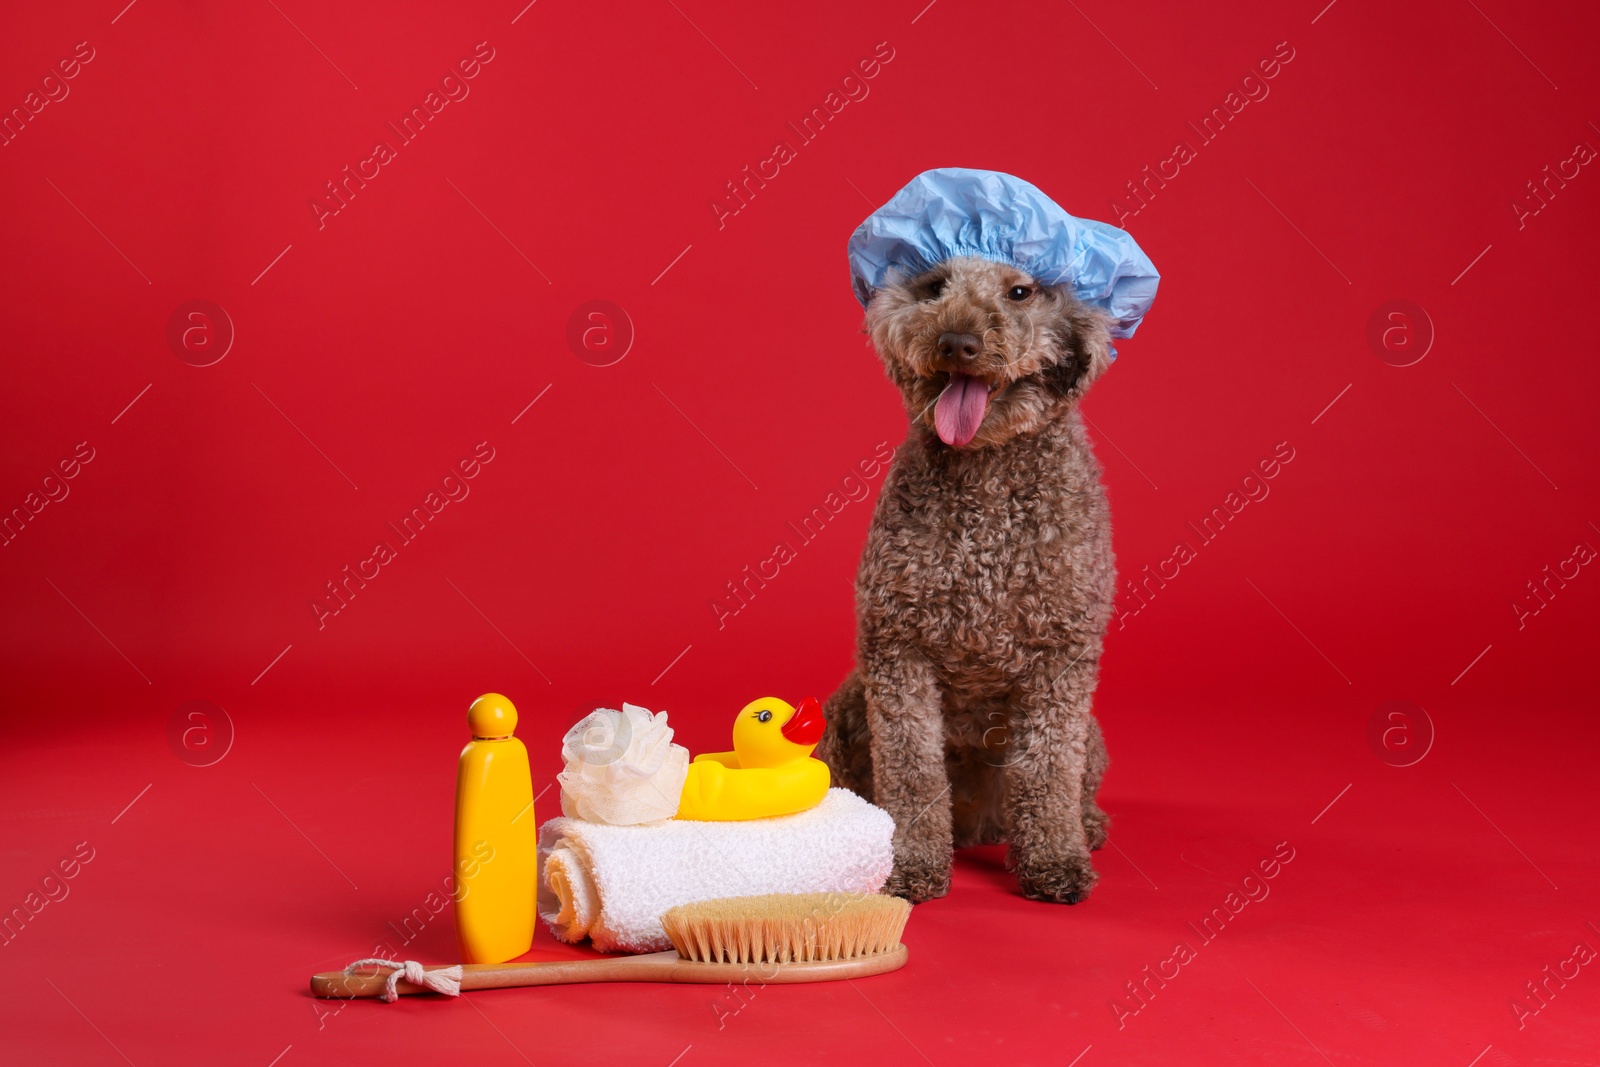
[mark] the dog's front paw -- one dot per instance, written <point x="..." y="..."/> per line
<point x="919" y="880"/>
<point x="1059" y="879"/>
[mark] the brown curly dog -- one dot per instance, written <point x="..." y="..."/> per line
<point x="985" y="586"/>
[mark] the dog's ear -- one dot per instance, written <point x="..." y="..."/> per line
<point x="1084" y="340"/>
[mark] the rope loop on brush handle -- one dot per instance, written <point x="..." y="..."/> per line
<point x="446" y="980"/>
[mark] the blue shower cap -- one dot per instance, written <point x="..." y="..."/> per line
<point x="957" y="212"/>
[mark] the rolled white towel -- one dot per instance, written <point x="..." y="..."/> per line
<point x="613" y="883"/>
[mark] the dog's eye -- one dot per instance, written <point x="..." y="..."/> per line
<point x="1019" y="293"/>
<point x="934" y="289"/>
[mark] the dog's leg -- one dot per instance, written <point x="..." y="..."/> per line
<point x="978" y="792"/>
<point x="908" y="774"/>
<point x="1049" y="848"/>
<point x="978" y="743"/>
<point x="846" y="746"/>
<point x="1096" y="823"/>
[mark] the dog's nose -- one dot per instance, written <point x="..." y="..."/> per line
<point x="962" y="346"/>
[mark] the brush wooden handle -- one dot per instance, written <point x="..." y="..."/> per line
<point x="655" y="967"/>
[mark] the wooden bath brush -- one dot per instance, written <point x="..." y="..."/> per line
<point x="775" y="939"/>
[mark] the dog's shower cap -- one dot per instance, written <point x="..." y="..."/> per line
<point x="958" y="212"/>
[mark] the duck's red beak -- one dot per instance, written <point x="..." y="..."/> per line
<point x="805" y="726"/>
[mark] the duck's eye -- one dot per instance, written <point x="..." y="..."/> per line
<point x="763" y="716"/>
<point x="1019" y="293"/>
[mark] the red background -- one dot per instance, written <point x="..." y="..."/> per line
<point x="427" y="314"/>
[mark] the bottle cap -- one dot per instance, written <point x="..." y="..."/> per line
<point x="492" y="716"/>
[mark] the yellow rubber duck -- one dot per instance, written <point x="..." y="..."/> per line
<point x="770" y="770"/>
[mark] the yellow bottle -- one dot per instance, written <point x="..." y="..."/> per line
<point x="496" y="857"/>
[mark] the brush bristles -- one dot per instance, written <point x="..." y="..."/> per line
<point x="786" y="927"/>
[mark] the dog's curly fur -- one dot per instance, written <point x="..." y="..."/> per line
<point x="984" y="591"/>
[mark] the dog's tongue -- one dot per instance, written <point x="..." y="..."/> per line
<point x="960" y="409"/>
